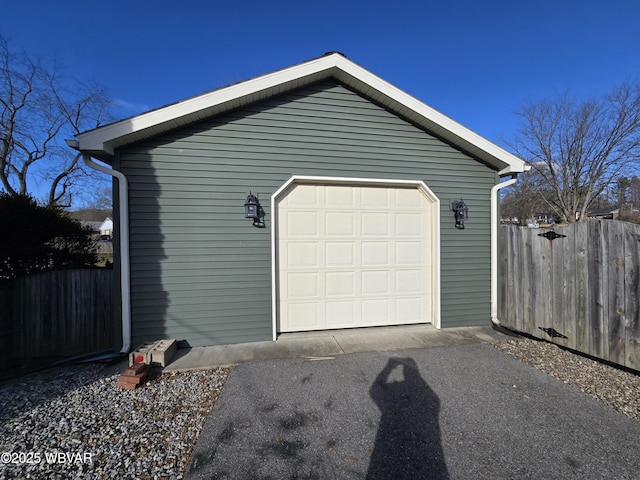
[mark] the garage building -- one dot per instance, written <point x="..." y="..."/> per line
<point x="351" y="182"/>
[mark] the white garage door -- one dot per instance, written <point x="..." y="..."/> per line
<point x="353" y="256"/>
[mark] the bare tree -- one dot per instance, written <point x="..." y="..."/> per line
<point x="523" y="200"/>
<point x="627" y="190"/>
<point x="578" y="149"/>
<point x="100" y="199"/>
<point x="38" y="109"/>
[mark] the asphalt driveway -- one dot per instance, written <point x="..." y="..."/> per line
<point x="452" y="412"/>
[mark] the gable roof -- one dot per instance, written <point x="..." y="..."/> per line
<point x="106" y="224"/>
<point x="102" y="142"/>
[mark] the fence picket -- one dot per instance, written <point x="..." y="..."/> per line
<point x="632" y="297"/>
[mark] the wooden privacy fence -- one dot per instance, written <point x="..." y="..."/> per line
<point x="57" y="313"/>
<point x="577" y="286"/>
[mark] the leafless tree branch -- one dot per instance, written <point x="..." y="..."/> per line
<point x="38" y="109"/>
<point x="577" y="148"/>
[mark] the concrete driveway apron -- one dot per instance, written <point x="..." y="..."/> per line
<point x="450" y="412"/>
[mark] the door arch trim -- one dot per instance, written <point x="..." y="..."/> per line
<point x="322" y="180"/>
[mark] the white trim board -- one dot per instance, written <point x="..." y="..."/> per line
<point x="102" y="142"/>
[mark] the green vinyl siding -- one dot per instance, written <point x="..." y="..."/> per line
<point x="201" y="272"/>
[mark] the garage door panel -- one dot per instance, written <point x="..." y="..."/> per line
<point x="339" y="196"/>
<point x="376" y="283"/>
<point x="409" y="282"/>
<point x="405" y="198"/>
<point x="376" y="197"/>
<point x="340" y="254"/>
<point x="340" y="283"/>
<point x="351" y="256"/>
<point x="340" y="314"/>
<point x="302" y="285"/>
<point x="376" y="312"/>
<point x="375" y="254"/>
<point x="306" y="315"/>
<point x="301" y="255"/>
<point x="409" y="253"/>
<point x="302" y="224"/>
<point x="340" y="224"/>
<point x="409" y="308"/>
<point x="375" y="224"/>
<point x="409" y="224"/>
<point x="303" y="197"/>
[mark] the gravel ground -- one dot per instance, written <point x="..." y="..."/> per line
<point x="73" y="422"/>
<point x="617" y="388"/>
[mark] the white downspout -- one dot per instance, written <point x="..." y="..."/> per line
<point x="125" y="286"/>
<point x="494" y="247"/>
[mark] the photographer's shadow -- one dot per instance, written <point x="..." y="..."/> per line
<point x="408" y="444"/>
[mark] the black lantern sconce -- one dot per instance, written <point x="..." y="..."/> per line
<point x="460" y="212"/>
<point x="253" y="209"/>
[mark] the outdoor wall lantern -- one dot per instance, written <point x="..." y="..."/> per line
<point x="460" y="212"/>
<point x="253" y="210"/>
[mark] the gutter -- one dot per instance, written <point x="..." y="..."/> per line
<point x="125" y="283"/>
<point x="494" y="246"/>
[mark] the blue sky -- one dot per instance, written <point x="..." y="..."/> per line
<point x="474" y="61"/>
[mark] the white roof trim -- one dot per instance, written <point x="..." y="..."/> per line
<point x="102" y="141"/>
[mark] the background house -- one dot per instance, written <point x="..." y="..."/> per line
<point x="106" y="229"/>
<point x="356" y="180"/>
<point x="94" y="228"/>
<point x="102" y="233"/>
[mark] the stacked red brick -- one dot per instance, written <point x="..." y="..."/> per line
<point x="134" y="376"/>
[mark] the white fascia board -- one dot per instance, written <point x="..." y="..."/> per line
<point x="103" y="139"/>
<point x="433" y="119"/>
<point x="98" y="139"/>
